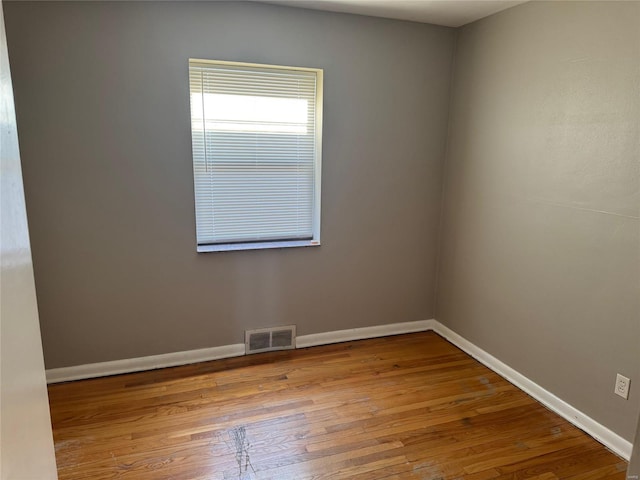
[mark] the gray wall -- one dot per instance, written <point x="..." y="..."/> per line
<point x="26" y="442"/>
<point x="540" y="258"/>
<point x="633" y="473"/>
<point x="103" y="110"/>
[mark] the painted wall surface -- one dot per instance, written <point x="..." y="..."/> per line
<point x="102" y="102"/>
<point x="26" y="443"/>
<point x="540" y="259"/>
<point x="633" y="472"/>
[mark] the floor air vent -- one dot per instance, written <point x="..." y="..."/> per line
<point x="269" y="339"/>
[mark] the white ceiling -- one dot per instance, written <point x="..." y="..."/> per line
<point x="450" y="13"/>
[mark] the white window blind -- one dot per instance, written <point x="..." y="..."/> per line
<point x="256" y="152"/>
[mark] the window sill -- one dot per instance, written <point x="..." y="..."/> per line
<point x="229" y="247"/>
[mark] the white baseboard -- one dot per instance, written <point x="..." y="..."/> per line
<point x="338" y="336"/>
<point x="129" y="365"/>
<point x="598" y="431"/>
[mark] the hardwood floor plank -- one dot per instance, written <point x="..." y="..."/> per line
<point x="404" y="407"/>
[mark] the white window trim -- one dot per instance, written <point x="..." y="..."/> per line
<point x="230" y="247"/>
<point x="315" y="240"/>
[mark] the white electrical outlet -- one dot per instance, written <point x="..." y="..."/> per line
<point x="622" y="386"/>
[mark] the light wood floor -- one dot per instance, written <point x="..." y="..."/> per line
<point x="403" y="407"/>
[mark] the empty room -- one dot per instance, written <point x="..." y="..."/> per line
<point x="314" y="239"/>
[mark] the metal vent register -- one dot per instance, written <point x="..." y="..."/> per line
<point x="269" y="339"/>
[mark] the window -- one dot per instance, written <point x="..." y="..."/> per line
<point x="256" y="137"/>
